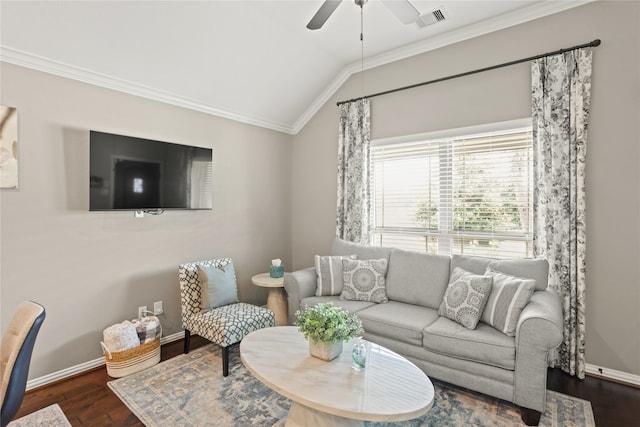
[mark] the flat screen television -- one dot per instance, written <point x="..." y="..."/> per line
<point x="127" y="173"/>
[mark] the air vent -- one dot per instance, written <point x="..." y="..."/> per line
<point x="439" y="15"/>
<point x="431" y="18"/>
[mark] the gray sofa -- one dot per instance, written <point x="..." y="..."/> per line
<point x="483" y="359"/>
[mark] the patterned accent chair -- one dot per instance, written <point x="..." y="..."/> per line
<point x="225" y="325"/>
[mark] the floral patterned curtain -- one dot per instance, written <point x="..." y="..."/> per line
<point x="354" y="193"/>
<point x="561" y="87"/>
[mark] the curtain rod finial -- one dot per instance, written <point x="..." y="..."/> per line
<point x="596" y="42"/>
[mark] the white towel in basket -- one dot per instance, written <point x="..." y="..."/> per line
<point x="148" y="328"/>
<point x="121" y="336"/>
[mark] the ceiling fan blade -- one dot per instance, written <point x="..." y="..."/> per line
<point x="323" y="14"/>
<point x="403" y="10"/>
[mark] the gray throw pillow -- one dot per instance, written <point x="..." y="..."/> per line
<point x="364" y="280"/>
<point x="509" y="296"/>
<point x="329" y="275"/>
<point x="465" y="297"/>
<point x="219" y="286"/>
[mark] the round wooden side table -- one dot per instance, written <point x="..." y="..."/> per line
<point x="276" y="298"/>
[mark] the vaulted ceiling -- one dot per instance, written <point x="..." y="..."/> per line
<point x="251" y="61"/>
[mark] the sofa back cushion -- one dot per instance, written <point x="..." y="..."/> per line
<point x="343" y="248"/>
<point x="531" y="268"/>
<point x="417" y="278"/>
<point x="535" y="268"/>
<point x="473" y="264"/>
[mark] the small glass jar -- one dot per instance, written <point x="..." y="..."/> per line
<point x="359" y="355"/>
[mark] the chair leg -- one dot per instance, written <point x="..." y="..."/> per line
<point x="225" y="361"/>
<point x="187" y="339"/>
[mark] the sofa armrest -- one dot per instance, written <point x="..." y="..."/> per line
<point x="299" y="284"/>
<point x="541" y="321"/>
<point x="539" y="329"/>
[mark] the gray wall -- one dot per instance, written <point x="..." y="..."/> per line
<point x="93" y="269"/>
<point x="274" y="199"/>
<point x="613" y="155"/>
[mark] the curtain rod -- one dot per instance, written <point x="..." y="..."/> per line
<point x="594" y="43"/>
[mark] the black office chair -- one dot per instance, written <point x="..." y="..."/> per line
<point x="17" y="347"/>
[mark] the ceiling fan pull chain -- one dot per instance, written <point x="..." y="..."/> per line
<point x="361" y="23"/>
<point x="362" y="47"/>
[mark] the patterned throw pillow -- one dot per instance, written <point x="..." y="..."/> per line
<point x="509" y="296"/>
<point x="364" y="280"/>
<point x="218" y="286"/>
<point x="329" y="273"/>
<point x="465" y="297"/>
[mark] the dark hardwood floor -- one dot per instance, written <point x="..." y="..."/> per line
<point x="87" y="400"/>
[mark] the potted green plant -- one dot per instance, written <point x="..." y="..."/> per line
<point x="326" y="327"/>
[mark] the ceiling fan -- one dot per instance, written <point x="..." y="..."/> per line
<point x="402" y="9"/>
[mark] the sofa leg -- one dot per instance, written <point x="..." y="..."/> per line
<point x="187" y="339"/>
<point x="225" y="361"/>
<point x="530" y="417"/>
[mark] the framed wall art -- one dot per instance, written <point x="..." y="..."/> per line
<point x="8" y="147"/>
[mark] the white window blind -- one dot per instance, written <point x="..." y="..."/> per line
<point x="201" y="184"/>
<point x="463" y="195"/>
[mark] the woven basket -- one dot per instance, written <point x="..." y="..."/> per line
<point x="127" y="362"/>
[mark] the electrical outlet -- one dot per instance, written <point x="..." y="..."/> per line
<point x="157" y="308"/>
<point x="142" y="311"/>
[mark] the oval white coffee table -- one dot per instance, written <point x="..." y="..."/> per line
<point x="390" y="389"/>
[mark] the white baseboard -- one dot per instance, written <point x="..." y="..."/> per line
<point x="612" y="374"/>
<point x="599" y="371"/>
<point x="91" y="364"/>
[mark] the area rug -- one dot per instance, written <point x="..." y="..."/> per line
<point x="51" y="416"/>
<point x="189" y="390"/>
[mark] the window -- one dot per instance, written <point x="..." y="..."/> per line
<point x="201" y="184"/>
<point x="461" y="194"/>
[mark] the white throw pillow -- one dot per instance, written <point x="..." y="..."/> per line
<point x="508" y="297"/>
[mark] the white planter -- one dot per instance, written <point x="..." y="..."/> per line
<point x="325" y="351"/>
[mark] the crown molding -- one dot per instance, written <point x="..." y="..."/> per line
<point x="39" y="63"/>
<point x="58" y="68"/>
<point x="501" y="22"/>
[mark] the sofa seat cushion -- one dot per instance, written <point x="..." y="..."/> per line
<point x="397" y="320"/>
<point x="350" y="306"/>
<point x="483" y="344"/>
